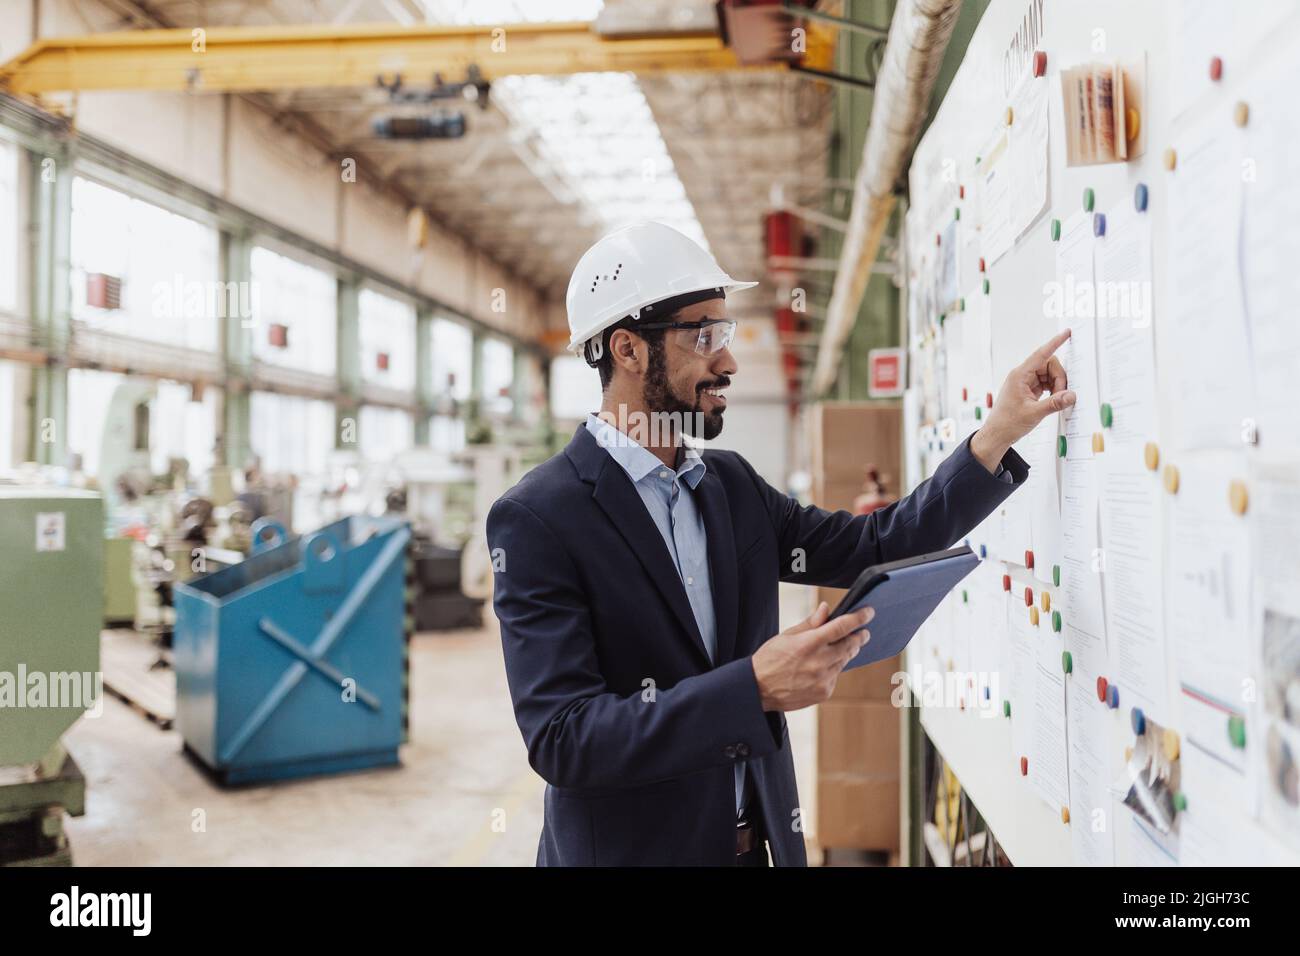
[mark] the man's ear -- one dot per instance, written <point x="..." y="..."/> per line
<point x="628" y="351"/>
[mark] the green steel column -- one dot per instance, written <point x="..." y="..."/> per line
<point x="347" y="405"/>
<point x="237" y="352"/>
<point x="51" y="211"/>
<point x="423" y="373"/>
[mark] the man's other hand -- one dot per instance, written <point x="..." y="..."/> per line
<point x="1020" y="405"/>
<point x="798" y="667"/>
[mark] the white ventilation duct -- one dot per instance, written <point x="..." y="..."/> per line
<point x="918" y="38"/>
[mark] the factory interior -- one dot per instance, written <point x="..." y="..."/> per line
<point x="287" y="306"/>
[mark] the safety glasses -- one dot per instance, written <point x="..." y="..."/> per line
<point x="707" y="338"/>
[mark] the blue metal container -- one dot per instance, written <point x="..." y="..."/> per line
<point x="295" y="661"/>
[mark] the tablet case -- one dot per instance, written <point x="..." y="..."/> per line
<point x="903" y="593"/>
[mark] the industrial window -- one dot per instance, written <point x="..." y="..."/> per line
<point x="498" y="377"/>
<point x="387" y="332"/>
<point x="13" y="416"/>
<point x="575" y="388"/>
<point x="453" y="359"/>
<point x="290" y="434"/>
<point x="141" y="271"/>
<point x="9" y="155"/>
<point x="181" y="427"/>
<point x="446" y="433"/>
<point x="295" y="323"/>
<point x="384" y="432"/>
<point x="90" y="401"/>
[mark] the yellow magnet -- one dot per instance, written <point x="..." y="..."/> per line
<point x="1171" y="479"/>
<point x="1151" y="454"/>
<point x="1065" y="814"/>
<point x="1132" y="124"/>
<point x="1237" y="496"/>
<point x="1171" y="159"/>
<point x="1046" y="601"/>
<point x="1241" y="113"/>
<point x="1033" y="616"/>
<point x="1010" y="115"/>
<point x="1169" y="743"/>
<point x="1098" y="443"/>
<point x="1128" y="754"/>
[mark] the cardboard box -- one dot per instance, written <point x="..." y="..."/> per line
<point x="848" y="436"/>
<point x="858" y="737"/>
<point x="858" y="813"/>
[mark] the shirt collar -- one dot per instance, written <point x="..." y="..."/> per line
<point x="639" y="462"/>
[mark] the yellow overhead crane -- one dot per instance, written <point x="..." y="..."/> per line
<point x="245" y="59"/>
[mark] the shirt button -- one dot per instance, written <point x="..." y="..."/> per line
<point x="663" y="474"/>
<point x="690" y="580"/>
<point x="729" y="751"/>
<point x="742" y="749"/>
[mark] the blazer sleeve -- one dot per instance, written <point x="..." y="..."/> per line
<point x="830" y="549"/>
<point x="579" y="734"/>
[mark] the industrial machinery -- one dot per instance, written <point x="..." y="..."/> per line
<point x="51" y="606"/>
<point x="295" y="661"/>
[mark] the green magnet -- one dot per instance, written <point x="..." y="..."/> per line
<point x="1056" y="575"/>
<point x="1087" y="199"/>
<point x="1006" y="708"/>
<point x="1056" y="620"/>
<point x="1067" y="662"/>
<point x="1237" y="731"/>
<point x="1056" y="229"/>
<point x="1180" y="801"/>
<point x="977" y="412"/>
<point x="1060" y="446"/>
<point x="1107" y="415"/>
<point x="986" y="286"/>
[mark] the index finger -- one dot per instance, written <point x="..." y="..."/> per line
<point x="841" y="627"/>
<point x="1044" y="352"/>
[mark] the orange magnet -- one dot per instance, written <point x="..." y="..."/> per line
<point x="1009" y="116"/>
<point x="1237" y="496"/>
<point x="1132" y="124"/>
<point x="1045" y="601"/>
<point x="1065" y="814"/>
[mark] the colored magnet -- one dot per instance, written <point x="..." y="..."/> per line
<point x="1098" y="443"/>
<point x="1067" y="662"/>
<point x="1112" y="697"/>
<point x="1024" y="766"/>
<point x="1033" y="616"/>
<point x="1089" y="199"/>
<point x="963" y="394"/>
<point x="1065" y="814"/>
<point x="1060" y="446"/>
<point x="1169" y="743"/>
<point x="987" y="695"/>
<point x="1056" y="575"/>
<point x="981" y="264"/>
<point x="1171" y="479"/>
<point x="1056" y="621"/>
<point x="1140" y="197"/>
<point x="1241" y="113"/>
<point x="1006" y="582"/>
<point x="1009" y="116"/>
<point x="1180" y="801"/>
<point x="936" y="239"/>
<point x="1099" y="224"/>
<point x="1171" y="159"/>
<point x="1029" y="597"/>
<point x="1237" y="497"/>
<point x="1237" y="731"/>
<point x="1040" y="63"/>
<point x="1107" y="415"/>
<point x="1216" y="68"/>
<point x="1006" y="708"/>
<point x="956" y="213"/>
<point x="988" y="399"/>
<point x="984" y="551"/>
<point x="965" y="598"/>
<point x="1132" y="124"/>
<point x="1101" y="689"/>
<point x="978" y="410"/>
<point x="1151" y="455"/>
<point x="1029" y="559"/>
<point x="1139" y="721"/>
<point x="961" y="192"/>
<point x="1045" y="600"/>
<point x="961" y="305"/>
<point x="986" y="286"/>
<point x="1056" y="230"/>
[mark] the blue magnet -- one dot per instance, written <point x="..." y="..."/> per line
<point x="986" y="693"/>
<point x="1099" y="224"/>
<point x="984" y="551"/>
<point x="1112" y="697"/>
<point x="1139" y="721"/>
<point x="1140" y="197"/>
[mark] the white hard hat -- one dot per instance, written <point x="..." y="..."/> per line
<point x="635" y="267"/>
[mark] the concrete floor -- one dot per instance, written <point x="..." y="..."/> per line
<point x="464" y="795"/>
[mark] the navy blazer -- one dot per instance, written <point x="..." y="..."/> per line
<point x="634" y="729"/>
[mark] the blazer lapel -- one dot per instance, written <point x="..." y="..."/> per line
<point x="711" y="498"/>
<point x="617" y="496"/>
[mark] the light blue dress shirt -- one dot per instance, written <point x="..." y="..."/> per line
<point x="668" y="497"/>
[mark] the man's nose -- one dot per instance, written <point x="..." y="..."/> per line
<point x="724" y="363"/>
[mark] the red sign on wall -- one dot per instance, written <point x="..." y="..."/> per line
<point x="888" y="373"/>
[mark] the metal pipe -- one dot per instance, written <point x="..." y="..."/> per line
<point x="918" y="37"/>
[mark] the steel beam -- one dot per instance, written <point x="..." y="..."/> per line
<point x="243" y="59"/>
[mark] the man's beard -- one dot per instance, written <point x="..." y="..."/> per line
<point x="659" y="398"/>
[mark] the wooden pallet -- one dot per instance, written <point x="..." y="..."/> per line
<point x="129" y="661"/>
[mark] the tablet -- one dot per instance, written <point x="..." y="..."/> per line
<point x="903" y="593"/>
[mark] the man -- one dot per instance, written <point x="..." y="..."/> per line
<point x="636" y="580"/>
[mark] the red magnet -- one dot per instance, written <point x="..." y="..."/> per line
<point x="981" y="263"/>
<point x="1216" y="68"/>
<point x="1006" y="582"/>
<point x="1040" y="63"/>
<point x="1029" y="597"/>
<point x="1024" y="766"/>
<point x="1029" y="560"/>
<point x="1101" y="689"/>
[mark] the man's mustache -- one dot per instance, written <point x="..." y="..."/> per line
<point x="722" y="382"/>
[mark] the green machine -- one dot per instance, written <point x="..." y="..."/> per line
<point x="51" y="609"/>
